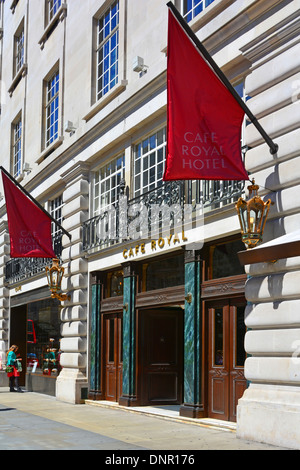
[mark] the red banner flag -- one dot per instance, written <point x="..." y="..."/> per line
<point x="29" y="227"/>
<point x="204" y="119"/>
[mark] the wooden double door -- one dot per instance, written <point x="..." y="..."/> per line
<point x="159" y="361"/>
<point x="226" y="357"/>
<point x="113" y="356"/>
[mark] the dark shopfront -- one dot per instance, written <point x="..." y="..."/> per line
<point x="170" y="331"/>
<point x="35" y="328"/>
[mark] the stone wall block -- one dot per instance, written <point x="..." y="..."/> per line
<point x="280" y="370"/>
<point x="273" y="71"/>
<point x="275" y="287"/>
<point x="73" y="360"/>
<point x="274" y="98"/>
<point x="74" y="313"/>
<point x="74" y="328"/>
<point x="76" y="266"/>
<point x="73" y="251"/>
<point x="80" y="187"/>
<point x="280" y="122"/>
<point x="273" y="342"/>
<point x="78" y="281"/>
<point x="260" y="157"/>
<point x="73" y="344"/>
<point x="76" y="220"/>
<point x="79" y="296"/>
<point x="270" y="315"/>
<point x="80" y="203"/>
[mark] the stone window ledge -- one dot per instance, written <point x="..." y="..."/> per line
<point x="59" y="16"/>
<point x="105" y="100"/>
<point x="53" y="146"/>
<point x="21" y="73"/>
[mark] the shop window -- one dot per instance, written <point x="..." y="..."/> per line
<point x="43" y="337"/>
<point x="168" y="272"/>
<point x="224" y="260"/>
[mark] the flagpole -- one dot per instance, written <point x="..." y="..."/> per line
<point x="34" y="201"/>
<point x="222" y="77"/>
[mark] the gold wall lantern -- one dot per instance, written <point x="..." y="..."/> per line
<point x="54" y="277"/>
<point x="252" y="216"/>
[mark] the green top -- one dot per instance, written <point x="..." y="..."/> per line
<point x="11" y="358"/>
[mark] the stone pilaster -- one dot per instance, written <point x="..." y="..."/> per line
<point x="269" y="410"/>
<point x="72" y="384"/>
<point x="129" y="337"/>
<point x="192" y="406"/>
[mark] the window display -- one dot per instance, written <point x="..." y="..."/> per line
<point x="43" y="337"/>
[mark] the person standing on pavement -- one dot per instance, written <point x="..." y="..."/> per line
<point x="15" y="374"/>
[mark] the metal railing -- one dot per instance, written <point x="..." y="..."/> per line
<point x="107" y="229"/>
<point x="19" y="269"/>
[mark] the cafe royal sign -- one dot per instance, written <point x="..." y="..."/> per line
<point x="171" y="240"/>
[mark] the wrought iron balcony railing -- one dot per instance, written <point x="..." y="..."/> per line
<point x="119" y="221"/>
<point x="19" y="269"/>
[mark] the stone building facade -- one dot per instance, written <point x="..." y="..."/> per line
<point x="83" y="125"/>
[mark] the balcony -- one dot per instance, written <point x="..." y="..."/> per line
<point x="20" y="269"/>
<point x="113" y="225"/>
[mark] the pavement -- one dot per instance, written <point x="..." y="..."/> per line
<point x="33" y="421"/>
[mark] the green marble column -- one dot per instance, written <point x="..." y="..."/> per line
<point x="192" y="406"/>
<point x="95" y="339"/>
<point x="128" y="397"/>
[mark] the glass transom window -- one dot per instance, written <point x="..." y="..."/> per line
<point x="107" y="50"/>
<point x="192" y="8"/>
<point x="149" y="159"/>
<point x="107" y="184"/>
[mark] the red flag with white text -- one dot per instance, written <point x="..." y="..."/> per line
<point x="204" y="119"/>
<point x="29" y="227"/>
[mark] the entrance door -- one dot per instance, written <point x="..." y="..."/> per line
<point x="113" y="356"/>
<point x="161" y="351"/>
<point x="226" y="354"/>
<point x="18" y="323"/>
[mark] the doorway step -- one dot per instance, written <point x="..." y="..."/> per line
<point x="170" y="412"/>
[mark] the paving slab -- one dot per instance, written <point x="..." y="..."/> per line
<point x="32" y="421"/>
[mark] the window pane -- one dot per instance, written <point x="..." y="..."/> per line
<point x="218" y="337"/>
<point x="153" y="150"/>
<point x="240" y="353"/>
<point x="107" y="57"/>
<point x="170" y="273"/>
<point x="17" y="148"/>
<point x="192" y="8"/>
<point x="52" y="103"/>
<point x="110" y="176"/>
<point x="225" y="260"/>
